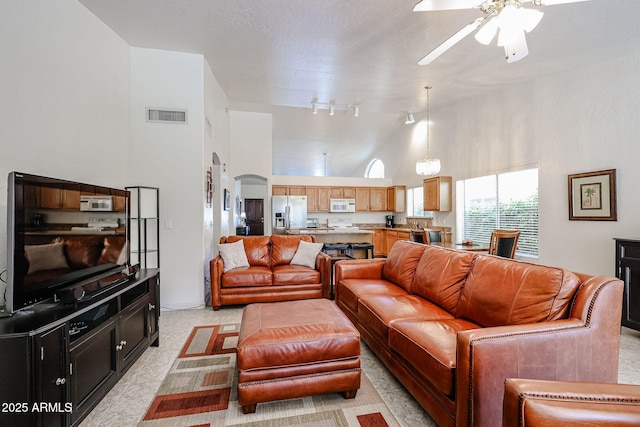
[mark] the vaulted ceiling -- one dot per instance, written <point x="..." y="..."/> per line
<point x="277" y="56"/>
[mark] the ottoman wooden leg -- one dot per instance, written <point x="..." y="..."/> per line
<point x="351" y="394"/>
<point x="249" y="409"/>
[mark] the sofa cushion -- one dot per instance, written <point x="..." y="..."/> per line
<point x="247" y="276"/>
<point x="351" y="290"/>
<point x="378" y="312"/>
<point x="295" y="275"/>
<point x="401" y="263"/>
<point x="306" y="254"/>
<point x="256" y="247"/>
<point x="284" y="247"/>
<point x="429" y="346"/>
<point x="82" y="251"/>
<point x="233" y="255"/>
<point x="440" y="276"/>
<point x="112" y="251"/>
<point x="46" y="257"/>
<point x="502" y="291"/>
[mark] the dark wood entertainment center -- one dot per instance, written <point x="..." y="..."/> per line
<point x="59" y="360"/>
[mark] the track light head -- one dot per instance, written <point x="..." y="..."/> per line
<point x="409" y="118"/>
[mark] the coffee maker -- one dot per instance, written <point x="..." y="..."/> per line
<point x="389" y="223"/>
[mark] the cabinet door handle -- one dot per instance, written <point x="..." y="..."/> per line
<point x="118" y="347"/>
<point x="123" y="343"/>
<point x="61" y="381"/>
<point x="151" y="306"/>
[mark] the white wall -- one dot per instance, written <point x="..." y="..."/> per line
<point x="577" y="122"/>
<point x="169" y="156"/>
<point x="65" y="91"/>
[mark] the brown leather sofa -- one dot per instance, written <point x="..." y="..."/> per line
<point x="270" y="276"/>
<point x="453" y="325"/>
<point x="536" y="403"/>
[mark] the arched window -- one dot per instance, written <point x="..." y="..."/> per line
<point x="375" y="169"/>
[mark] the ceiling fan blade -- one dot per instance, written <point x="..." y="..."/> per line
<point x="431" y="5"/>
<point x="451" y="41"/>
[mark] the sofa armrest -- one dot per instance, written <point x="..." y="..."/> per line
<point x="359" y="269"/>
<point x="216" y="268"/>
<point x="534" y="403"/>
<point x="323" y="265"/>
<point x="582" y="348"/>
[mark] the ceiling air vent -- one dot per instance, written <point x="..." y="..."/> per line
<point x="158" y="115"/>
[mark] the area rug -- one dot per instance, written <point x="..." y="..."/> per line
<point x="200" y="391"/>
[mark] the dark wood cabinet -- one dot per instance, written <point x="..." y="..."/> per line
<point x="628" y="270"/>
<point x="67" y="357"/>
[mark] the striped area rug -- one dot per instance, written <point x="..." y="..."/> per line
<point x="200" y="391"/>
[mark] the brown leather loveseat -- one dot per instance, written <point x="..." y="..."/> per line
<point x="270" y="276"/>
<point x="453" y="325"/>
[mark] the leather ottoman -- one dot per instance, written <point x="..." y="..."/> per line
<point x="296" y="348"/>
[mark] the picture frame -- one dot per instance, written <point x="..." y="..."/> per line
<point x="592" y="196"/>
<point x="226" y="199"/>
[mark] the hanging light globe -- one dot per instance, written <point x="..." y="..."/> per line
<point x="428" y="167"/>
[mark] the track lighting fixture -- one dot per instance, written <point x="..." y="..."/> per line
<point x="332" y="107"/>
<point x="409" y="118"/>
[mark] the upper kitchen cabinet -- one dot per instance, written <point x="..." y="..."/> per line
<point x="342" y="193"/>
<point x="323" y="199"/>
<point x="437" y="194"/>
<point x="378" y="199"/>
<point x="396" y="198"/>
<point x="296" y="190"/>
<point x="279" y="190"/>
<point x="362" y="199"/>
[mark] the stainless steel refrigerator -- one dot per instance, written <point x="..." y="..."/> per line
<point x="288" y="212"/>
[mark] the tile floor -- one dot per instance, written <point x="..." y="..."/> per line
<point x="127" y="402"/>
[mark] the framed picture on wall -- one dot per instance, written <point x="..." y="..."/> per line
<point x="226" y="199"/>
<point x="592" y="196"/>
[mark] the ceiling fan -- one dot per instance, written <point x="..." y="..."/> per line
<point x="508" y="16"/>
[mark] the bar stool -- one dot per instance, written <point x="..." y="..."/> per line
<point x="367" y="247"/>
<point x="341" y="248"/>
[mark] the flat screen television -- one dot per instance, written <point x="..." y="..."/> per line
<point x="63" y="237"/>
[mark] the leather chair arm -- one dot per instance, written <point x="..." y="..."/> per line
<point x="359" y="269"/>
<point x="216" y="267"/>
<point x="584" y="347"/>
<point x="323" y="265"/>
<point x="534" y="403"/>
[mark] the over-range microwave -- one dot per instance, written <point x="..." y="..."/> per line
<point x="96" y="203"/>
<point x="342" y="205"/>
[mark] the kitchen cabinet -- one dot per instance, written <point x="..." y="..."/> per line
<point x="378" y="199"/>
<point x="323" y="199"/>
<point x="279" y="190"/>
<point x="437" y="194"/>
<point x="378" y="242"/>
<point x="312" y="198"/>
<point x="363" y="195"/>
<point x="296" y="190"/>
<point x="396" y="198"/>
<point x="57" y="198"/>
<point x="349" y="192"/>
<point x="628" y="270"/>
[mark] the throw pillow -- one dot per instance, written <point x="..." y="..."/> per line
<point x="306" y="254"/>
<point x="233" y="255"/>
<point x="45" y="257"/>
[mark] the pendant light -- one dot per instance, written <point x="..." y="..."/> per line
<point x="428" y="166"/>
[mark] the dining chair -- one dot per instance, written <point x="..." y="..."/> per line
<point x="419" y="236"/>
<point x="434" y="236"/>
<point x="504" y="243"/>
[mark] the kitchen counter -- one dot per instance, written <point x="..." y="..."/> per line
<point x="334" y="231"/>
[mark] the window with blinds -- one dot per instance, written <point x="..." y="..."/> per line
<point x="506" y="201"/>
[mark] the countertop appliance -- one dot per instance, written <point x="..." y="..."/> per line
<point x="342" y="205"/>
<point x="313" y="223"/>
<point x="389" y="222"/>
<point x="288" y="212"/>
<point x="341" y="223"/>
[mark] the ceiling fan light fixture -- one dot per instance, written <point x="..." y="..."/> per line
<point x="408" y="118"/>
<point x="487" y="33"/>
